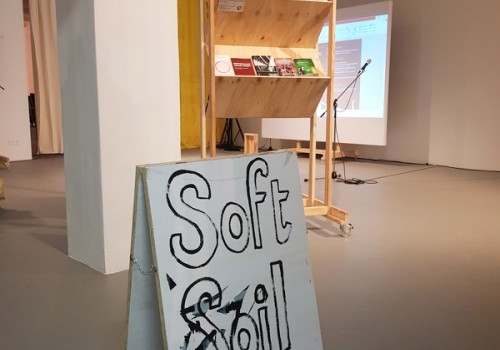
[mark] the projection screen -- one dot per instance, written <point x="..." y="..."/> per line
<point x="362" y="34"/>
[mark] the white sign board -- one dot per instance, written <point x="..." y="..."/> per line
<point x="219" y="257"/>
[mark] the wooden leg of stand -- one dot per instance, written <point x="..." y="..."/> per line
<point x="312" y="159"/>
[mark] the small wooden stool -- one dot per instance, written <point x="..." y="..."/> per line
<point x="5" y="161"/>
<point x="251" y="145"/>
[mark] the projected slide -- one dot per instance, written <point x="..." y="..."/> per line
<point x="362" y="35"/>
<point x="358" y="40"/>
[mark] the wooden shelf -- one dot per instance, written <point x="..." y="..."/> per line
<point x="268" y="97"/>
<point x="276" y="52"/>
<point x="280" y="28"/>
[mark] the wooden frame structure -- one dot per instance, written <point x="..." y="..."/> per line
<point x="280" y="28"/>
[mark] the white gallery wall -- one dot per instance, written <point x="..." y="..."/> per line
<point x="444" y="79"/>
<point x="15" y="140"/>
<point x="120" y="99"/>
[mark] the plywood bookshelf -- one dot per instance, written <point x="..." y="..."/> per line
<point x="281" y="28"/>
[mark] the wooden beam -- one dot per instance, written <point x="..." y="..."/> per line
<point x="338" y="153"/>
<point x="313" y="211"/>
<point x="203" y="120"/>
<point x="213" y="100"/>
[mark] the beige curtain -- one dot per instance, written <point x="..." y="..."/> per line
<point x="47" y="86"/>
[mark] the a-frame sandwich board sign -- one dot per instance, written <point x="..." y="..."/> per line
<point x="219" y="257"/>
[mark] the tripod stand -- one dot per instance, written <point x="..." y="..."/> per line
<point x="227" y="140"/>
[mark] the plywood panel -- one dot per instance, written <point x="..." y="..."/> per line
<point x="279" y="23"/>
<point x="268" y="97"/>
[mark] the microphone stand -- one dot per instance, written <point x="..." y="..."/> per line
<point x="335" y="104"/>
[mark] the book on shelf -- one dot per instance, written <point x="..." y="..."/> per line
<point x="285" y="67"/>
<point x="305" y="66"/>
<point x="264" y="65"/>
<point x="242" y="66"/>
<point x="223" y="65"/>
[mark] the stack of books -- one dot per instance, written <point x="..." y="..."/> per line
<point x="264" y="65"/>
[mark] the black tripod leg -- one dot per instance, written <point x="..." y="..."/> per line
<point x="240" y="131"/>
<point x="227" y="134"/>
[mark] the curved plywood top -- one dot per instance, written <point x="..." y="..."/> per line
<point x="273" y="23"/>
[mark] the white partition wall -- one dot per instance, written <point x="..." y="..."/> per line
<point x="443" y="106"/>
<point x="120" y="100"/>
<point x="15" y="141"/>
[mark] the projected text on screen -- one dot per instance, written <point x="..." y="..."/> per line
<point x="357" y="41"/>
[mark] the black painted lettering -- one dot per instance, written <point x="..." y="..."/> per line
<point x="196" y="246"/>
<point x="202" y="296"/>
<point x="235" y="227"/>
<point x="280" y="305"/>
<point x="256" y="168"/>
<point x="282" y="228"/>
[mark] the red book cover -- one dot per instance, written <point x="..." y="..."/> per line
<point x="285" y="67"/>
<point x="243" y="66"/>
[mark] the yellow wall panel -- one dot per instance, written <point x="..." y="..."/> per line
<point x="189" y="70"/>
<point x="189" y="52"/>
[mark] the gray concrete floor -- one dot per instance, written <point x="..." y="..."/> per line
<point x="421" y="269"/>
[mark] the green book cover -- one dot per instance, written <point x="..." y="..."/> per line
<point x="305" y="66"/>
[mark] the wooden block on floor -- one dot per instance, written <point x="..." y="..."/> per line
<point x="251" y="145"/>
<point x="2" y="192"/>
<point x="5" y="161"/>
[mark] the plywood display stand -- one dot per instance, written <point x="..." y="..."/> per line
<point x="281" y="28"/>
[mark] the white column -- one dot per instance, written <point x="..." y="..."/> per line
<point x="120" y="98"/>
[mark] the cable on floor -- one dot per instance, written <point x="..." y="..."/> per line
<point x="372" y="181"/>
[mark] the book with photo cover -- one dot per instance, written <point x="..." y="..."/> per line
<point x="285" y="67"/>
<point x="264" y="65"/>
<point x="242" y="66"/>
<point x="223" y="65"/>
<point x="305" y="66"/>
